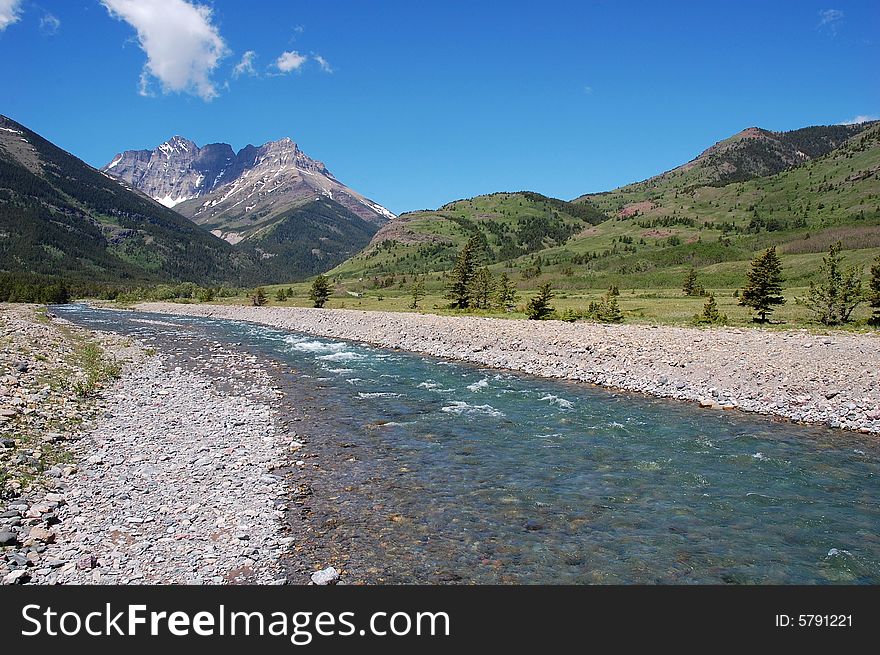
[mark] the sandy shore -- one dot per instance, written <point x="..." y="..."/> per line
<point x="832" y="380"/>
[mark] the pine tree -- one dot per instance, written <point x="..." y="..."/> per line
<point x="691" y="287"/>
<point x="259" y="298"/>
<point x="280" y="296"/>
<point x="418" y="292"/>
<point x="481" y="288"/>
<point x="505" y="293"/>
<point x="609" y="311"/>
<point x="320" y="291"/>
<point x="764" y="287"/>
<point x="539" y="307"/>
<point x="874" y="296"/>
<point x="835" y="297"/>
<point x="710" y="315"/>
<point x="459" y="285"/>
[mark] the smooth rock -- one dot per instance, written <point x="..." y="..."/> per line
<point x="325" y="576"/>
<point x="42" y="534"/>
<point x="19" y="576"/>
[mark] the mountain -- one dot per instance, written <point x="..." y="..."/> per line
<point x="308" y="239"/>
<point x="751" y="153"/>
<point x="645" y="235"/>
<point x="61" y="217"/>
<point x="272" y="201"/>
<point x="236" y="195"/>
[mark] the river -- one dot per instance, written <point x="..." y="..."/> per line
<point x="425" y="470"/>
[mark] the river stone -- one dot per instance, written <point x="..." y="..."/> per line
<point x="42" y="534"/>
<point x="86" y="562"/>
<point x="19" y="576"/>
<point x="325" y="576"/>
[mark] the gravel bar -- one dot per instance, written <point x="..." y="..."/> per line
<point x="831" y="379"/>
<point x="171" y="479"/>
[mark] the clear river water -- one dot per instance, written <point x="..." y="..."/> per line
<point x="455" y="473"/>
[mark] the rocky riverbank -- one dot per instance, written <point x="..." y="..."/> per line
<point x="826" y="379"/>
<point x="122" y="467"/>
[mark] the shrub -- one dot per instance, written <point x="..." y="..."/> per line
<point x="874" y="294"/>
<point x="710" y="315"/>
<point x="258" y="299"/>
<point x="835" y="297"/>
<point x="605" y="311"/>
<point x="539" y="308"/>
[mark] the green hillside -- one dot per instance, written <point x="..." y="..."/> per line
<point x="508" y="226"/>
<point x="60" y="217"/>
<point x="715" y="228"/>
<point x="751" y="153"/>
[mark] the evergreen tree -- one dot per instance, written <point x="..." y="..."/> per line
<point x="505" y="293"/>
<point x="481" y="288"/>
<point x="259" y="298"/>
<point x="874" y="296"/>
<point x="320" y="291"/>
<point x="459" y="285"/>
<point x="280" y="296"/>
<point x="418" y="292"/>
<point x="838" y="293"/>
<point x="691" y="287"/>
<point x="764" y="287"/>
<point x="539" y="307"/>
<point x="710" y="315"/>
<point x="611" y="312"/>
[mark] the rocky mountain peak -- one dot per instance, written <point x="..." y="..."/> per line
<point x="213" y="184"/>
<point x="178" y="145"/>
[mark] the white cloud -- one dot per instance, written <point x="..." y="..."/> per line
<point x="323" y="63"/>
<point x="183" y="47"/>
<point x="246" y="65"/>
<point x="861" y="118"/>
<point x="10" y="12"/>
<point x="49" y="24"/>
<point x="829" y="19"/>
<point x="290" y="61"/>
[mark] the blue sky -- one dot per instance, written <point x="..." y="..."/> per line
<point x="418" y="103"/>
